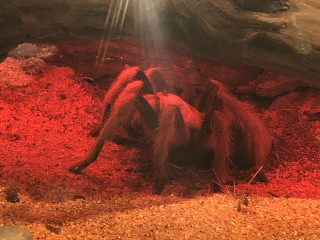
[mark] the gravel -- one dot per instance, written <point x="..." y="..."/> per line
<point x="215" y="216"/>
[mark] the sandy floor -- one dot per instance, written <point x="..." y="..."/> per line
<point x="216" y="216"/>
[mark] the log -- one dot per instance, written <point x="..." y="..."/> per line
<point x="274" y="34"/>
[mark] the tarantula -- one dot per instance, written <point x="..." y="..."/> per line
<point x="144" y="104"/>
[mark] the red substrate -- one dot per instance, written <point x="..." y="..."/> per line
<point x="44" y="130"/>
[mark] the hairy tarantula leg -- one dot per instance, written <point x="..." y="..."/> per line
<point x="126" y="76"/>
<point x="171" y="132"/>
<point x="118" y="118"/>
<point x="220" y="141"/>
<point x="105" y="114"/>
<point x="115" y="89"/>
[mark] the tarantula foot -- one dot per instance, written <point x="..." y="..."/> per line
<point x="158" y="185"/>
<point x="95" y="132"/>
<point x="76" y="168"/>
<point x="261" y="177"/>
<point x="216" y="188"/>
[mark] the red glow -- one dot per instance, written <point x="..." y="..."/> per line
<point x="44" y="130"/>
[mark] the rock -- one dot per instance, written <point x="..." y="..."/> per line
<point x="46" y="52"/>
<point x="25" y="62"/>
<point x="264" y="6"/>
<point x="15" y="233"/>
<point x="25" y="50"/>
<point x="12" y="195"/>
<point x="20" y="72"/>
<point x="271" y="84"/>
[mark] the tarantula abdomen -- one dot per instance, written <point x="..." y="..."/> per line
<point x="231" y="129"/>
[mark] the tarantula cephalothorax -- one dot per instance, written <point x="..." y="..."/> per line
<point x="145" y="104"/>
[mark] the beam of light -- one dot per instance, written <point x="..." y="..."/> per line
<point x="104" y="31"/>
<point x="148" y="25"/>
<point x="124" y="14"/>
<point x="111" y="31"/>
<point x="117" y="10"/>
<point x="147" y="22"/>
<point x="153" y="24"/>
